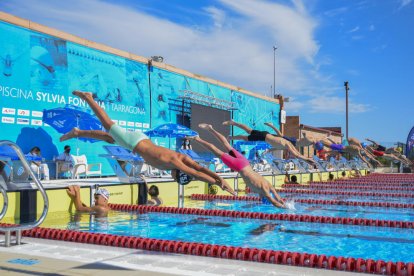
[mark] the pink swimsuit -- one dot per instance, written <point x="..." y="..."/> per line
<point x="236" y="162"/>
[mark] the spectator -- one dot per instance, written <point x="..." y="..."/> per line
<point x="331" y="177"/>
<point x="37" y="166"/>
<point x="293" y="179"/>
<point x="65" y="160"/>
<point x="101" y="201"/>
<point x="155" y="199"/>
<point x="186" y="145"/>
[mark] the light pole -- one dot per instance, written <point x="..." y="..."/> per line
<point x="346" y="84"/>
<point x="274" y="70"/>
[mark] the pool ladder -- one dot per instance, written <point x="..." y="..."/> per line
<point x="8" y="231"/>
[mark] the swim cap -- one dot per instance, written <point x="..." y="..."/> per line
<point x="318" y="146"/>
<point x="364" y="145"/>
<point x="182" y="178"/>
<point x="102" y="192"/>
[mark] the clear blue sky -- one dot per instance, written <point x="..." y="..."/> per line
<point x="320" y="45"/>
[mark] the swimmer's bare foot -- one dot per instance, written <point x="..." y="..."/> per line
<point x="192" y="138"/>
<point x="69" y="135"/>
<point x="228" y="123"/>
<point x="205" y="126"/>
<point x="82" y="95"/>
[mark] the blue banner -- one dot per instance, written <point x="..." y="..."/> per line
<point x="410" y="144"/>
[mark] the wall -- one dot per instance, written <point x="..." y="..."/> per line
<point x="41" y="67"/>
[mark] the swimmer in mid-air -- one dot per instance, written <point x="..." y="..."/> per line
<point x="237" y="162"/>
<point x="181" y="166"/>
<point x="278" y="143"/>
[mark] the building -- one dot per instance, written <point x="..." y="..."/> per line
<point x="293" y="128"/>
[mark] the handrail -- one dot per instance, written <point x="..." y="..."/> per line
<point x="5" y="202"/>
<point x="39" y="185"/>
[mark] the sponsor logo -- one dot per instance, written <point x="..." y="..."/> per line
<point x="130" y="124"/>
<point x="8" y="111"/>
<point x="130" y="129"/>
<point x="37" y="113"/>
<point x="146" y="125"/>
<point x="22" y="121"/>
<point x="7" y="120"/>
<point x="36" y="122"/>
<point x="23" y="112"/>
<point x="138" y="124"/>
<point x="20" y="171"/>
<point x="122" y="123"/>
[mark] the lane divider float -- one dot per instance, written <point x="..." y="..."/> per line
<point x="227" y="252"/>
<point x="263" y="216"/>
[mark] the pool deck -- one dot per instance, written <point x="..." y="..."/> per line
<point x="40" y="257"/>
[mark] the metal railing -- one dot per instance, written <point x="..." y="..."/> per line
<point x="18" y="228"/>
<point x="5" y="202"/>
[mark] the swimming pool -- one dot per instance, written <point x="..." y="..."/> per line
<point x="402" y="214"/>
<point x="366" y="242"/>
<point x="327" y="234"/>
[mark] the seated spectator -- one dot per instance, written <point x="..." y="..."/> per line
<point x="154" y="194"/>
<point x="331" y="177"/>
<point x="101" y="201"/>
<point x="37" y="166"/>
<point x="343" y="174"/>
<point x="67" y="161"/>
<point x="293" y="179"/>
<point x="186" y="145"/>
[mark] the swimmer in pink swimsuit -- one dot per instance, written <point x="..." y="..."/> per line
<point x="237" y="162"/>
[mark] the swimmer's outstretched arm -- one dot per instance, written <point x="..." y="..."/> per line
<point x="93" y="134"/>
<point x="275" y="129"/>
<point x="372" y="141"/>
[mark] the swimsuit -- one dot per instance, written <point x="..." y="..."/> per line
<point x="257" y="135"/>
<point x="337" y="147"/>
<point x="290" y="139"/>
<point x="378" y="153"/>
<point x="125" y="138"/>
<point x="235" y="160"/>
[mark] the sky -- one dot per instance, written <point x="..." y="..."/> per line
<point x="320" y="44"/>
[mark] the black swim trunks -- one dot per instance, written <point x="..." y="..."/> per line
<point x="257" y="135"/>
<point x="381" y="148"/>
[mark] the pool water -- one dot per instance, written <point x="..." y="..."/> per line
<point x="389" y="244"/>
<point x="348" y="198"/>
<point x="368" y="212"/>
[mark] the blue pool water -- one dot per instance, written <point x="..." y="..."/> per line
<point x="389" y="244"/>
<point x="401" y="214"/>
<point x="349" y="198"/>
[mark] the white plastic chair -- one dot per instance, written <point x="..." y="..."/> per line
<point x="82" y="167"/>
<point x="219" y="166"/>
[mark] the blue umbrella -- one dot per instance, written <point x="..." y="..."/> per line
<point x="64" y="119"/>
<point x="171" y="130"/>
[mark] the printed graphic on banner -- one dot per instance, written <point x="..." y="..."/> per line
<point x="23" y="112"/>
<point x="48" y="67"/>
<point x="410" y="144"/>
<point x="8" y="111"/>
<point x="7" y="120"/>
<point x="14" y="58"/>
